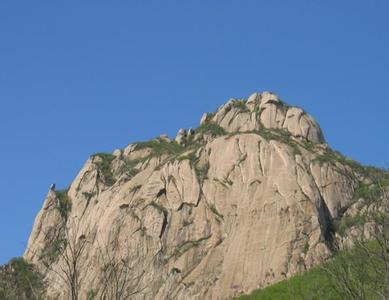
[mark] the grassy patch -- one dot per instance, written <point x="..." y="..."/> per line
<point x="313" y="284"/>
<point x="241" y="105"/>
<point x="211" y="128"/>
<point x="331" y="157"/>
<point x="278" y="134"/>
<point x="161" y="147"/>
<point x="308" y="145"/>
<point x="191" y="157"/>
<point x="351" y="270"/>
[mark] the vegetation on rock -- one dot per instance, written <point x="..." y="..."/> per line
<point x="104" y="166"/>
<point x="64" y="203"/>
<point x="20" y="280"/>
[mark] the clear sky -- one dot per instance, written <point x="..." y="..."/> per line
<point x="79" y="77"/>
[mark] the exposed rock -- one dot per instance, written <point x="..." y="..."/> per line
<point x="204" y="118"/>
<point x="181" y="135"/>
<point x="117" y="153"/>
<point x="165" y="138"/>
<point x="209" y="220"/>
<point x="266" y="110"/>
<point x="253" y="101"/>
<point x="191" y="132"/>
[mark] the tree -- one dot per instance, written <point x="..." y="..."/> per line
<point x="64" y="258"/>
<point x="20" y="280"/>
<point x="362" y="270"/>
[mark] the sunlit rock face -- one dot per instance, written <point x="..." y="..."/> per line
<point x="239" y="203"/>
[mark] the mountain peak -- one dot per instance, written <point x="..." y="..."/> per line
<point x="248" y="198"/>
<point x="261" y="111"/>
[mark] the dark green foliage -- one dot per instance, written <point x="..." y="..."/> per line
<point x="105" y="167"/>
<point x="19" y="280"/>
<point x="65" y="204"/>
<point x="211" y="128"/>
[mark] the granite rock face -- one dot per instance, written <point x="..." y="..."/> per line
<point x="246" y="201"/>
<point x="266" y="110"/>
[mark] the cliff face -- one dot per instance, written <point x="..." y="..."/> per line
<point x="243" y="201"/>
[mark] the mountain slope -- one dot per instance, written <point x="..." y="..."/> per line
<point x="246" y="200"/>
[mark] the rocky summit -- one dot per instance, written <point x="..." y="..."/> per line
<point x="245" y="200"/>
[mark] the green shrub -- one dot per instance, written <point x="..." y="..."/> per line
<point x="240" y="104"/>
<point x="327" y="157"/>
<point x="368" y="192"/>
<point x="105" y="167"/>
<point x="19" y="280"/>
<point x="65" y="204"/>
<point x="211" y="128"/>
<point x="278" y="134"/>
<point x="160" y="147"/>
<point x="346" y="222"/>
<point x="331" y="157"/>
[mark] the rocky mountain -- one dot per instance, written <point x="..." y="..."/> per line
<point x="247" y="199"/>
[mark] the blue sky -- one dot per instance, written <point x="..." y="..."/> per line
<point x="79" y="77"/>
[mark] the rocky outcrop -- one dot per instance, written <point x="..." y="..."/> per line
<point x="268" y="111"/>
<point x="243" y="201"/>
